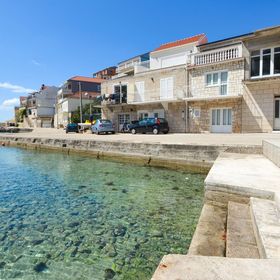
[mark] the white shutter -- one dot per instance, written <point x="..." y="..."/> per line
<point x="139" y="91"/>
<point x="163" y="89"/>
<point x="169" y="87"/>
<point x="166" y="88"/>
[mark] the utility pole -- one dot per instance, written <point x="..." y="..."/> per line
<point x="81" y="103"/>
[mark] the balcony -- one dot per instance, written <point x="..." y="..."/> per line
<point x="114" y="99"/>
<point x="216" y="56"/>
<point x="142" y="66"/>
<point x="127" y="67"/>
<point x="64" y="92"/>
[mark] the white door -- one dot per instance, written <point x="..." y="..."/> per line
<point x="277" y="113"/>
<point x="221" y="121"/>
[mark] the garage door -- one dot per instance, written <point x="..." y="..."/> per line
<point x="221" y="120"/>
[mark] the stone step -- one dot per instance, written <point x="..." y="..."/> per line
<point x="241" y="241"/>
<point x="266" y="224"/>
<point x="271" y="149"/>
<point x="185" y="267"/>
<point x="237" y="177"/>
<point x="210" y="233"/>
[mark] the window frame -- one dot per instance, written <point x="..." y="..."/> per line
<point x="220" y="83"/>
<point x="272" y="52"/>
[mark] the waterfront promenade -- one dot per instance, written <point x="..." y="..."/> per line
<point x="172" y="138"/>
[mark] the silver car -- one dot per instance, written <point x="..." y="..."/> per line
<point x="102" y="126"/>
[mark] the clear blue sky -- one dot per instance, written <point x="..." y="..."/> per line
<point x="48" y="41"/>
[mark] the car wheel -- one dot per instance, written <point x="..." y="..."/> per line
<point x="113" y="132"/>
<point x="133" y="131"/>
<point x="66" y="132"/>
<point x="165" y="132"/>
<point x="155" y="131"/>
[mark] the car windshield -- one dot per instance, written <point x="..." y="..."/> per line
<point x="72" y="125"/>
<point x="105" y="121"/>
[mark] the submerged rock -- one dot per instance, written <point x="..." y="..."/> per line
<point x="73" y="224"/>
<point x="40" y="267"/>
<point x="119" y="231"/>
<point x="2" y="264"/>
<point x="110" y="183"/>
<point x="109" y="274"/>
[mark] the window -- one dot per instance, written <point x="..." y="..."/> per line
<point x="265" y="62"/>
<point x="221" y="116"/>
<point x="277" y="108"/>
<point x="99" y="88"/>
<point x="276" y="60"/>
<point x="166" y="88"/>
<point x="218" y="79"/>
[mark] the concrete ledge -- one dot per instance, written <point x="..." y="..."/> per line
<point x="210" y="234"/>
<point x="266" y="224"/>
<point x="271" y="149"/>
<point x="237" y="177"/>
<point x="182" y="267"/>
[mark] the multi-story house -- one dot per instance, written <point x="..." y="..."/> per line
<point x="69" y="97"/>
<point x="235" y="84"/>
<point x="152" y="85"/>
<point x="41" y="107"/>
<point x="106" y="73"/>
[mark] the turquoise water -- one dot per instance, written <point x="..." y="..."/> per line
<point x="71" y="217"/>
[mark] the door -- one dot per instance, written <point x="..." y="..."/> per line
<point x="221" y="121"/>
<point x="277" y="113"/>
<point x="123" y="118"/>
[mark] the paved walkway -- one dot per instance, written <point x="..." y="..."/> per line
<point x="171" y="138"/>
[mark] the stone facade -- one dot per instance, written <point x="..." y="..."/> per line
<point x="173" y="109"/>
<point x="203" y="122"/>
<point x="258" y="105"/>
<point x="198" y="87"/>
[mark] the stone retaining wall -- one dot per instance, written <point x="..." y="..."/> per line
<point x="193" y="158"/>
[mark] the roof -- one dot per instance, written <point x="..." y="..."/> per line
<point x="242" y="36"/>
<point x="86" y="79"/>
<point x="197" y="38"/>
<point x="227" y="39"/>
<point x="107" y="68"/>
<point x="143" y="54"/>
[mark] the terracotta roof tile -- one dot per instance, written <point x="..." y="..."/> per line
<point x="86" y="79"/>
<point x="200" y="38"/>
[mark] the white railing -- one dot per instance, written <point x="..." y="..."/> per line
<point x="142" y="66"/>
<point x="218" y="55"/>
<point x="127" y="65"/>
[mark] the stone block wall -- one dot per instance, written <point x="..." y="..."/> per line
<point x="197" y="78"/>
<point x="258" y="105"/>
<point x="203" y="123"/>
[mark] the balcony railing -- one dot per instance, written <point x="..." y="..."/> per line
<point x="114" y="99"/>
<point x="142" y="66"/>
<point x="218" y="55"/>
<point x="127" y="66"/>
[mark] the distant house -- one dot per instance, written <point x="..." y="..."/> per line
<point x="70" y="94"/>
<point x="40" y="106"/>
<point x="106" y="73"/>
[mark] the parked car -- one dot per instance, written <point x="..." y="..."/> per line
<point x="126" y="126"/>
<point x="102" y="126"/>
<point x="72" y="127"/>
<point x="153" y="125"/>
